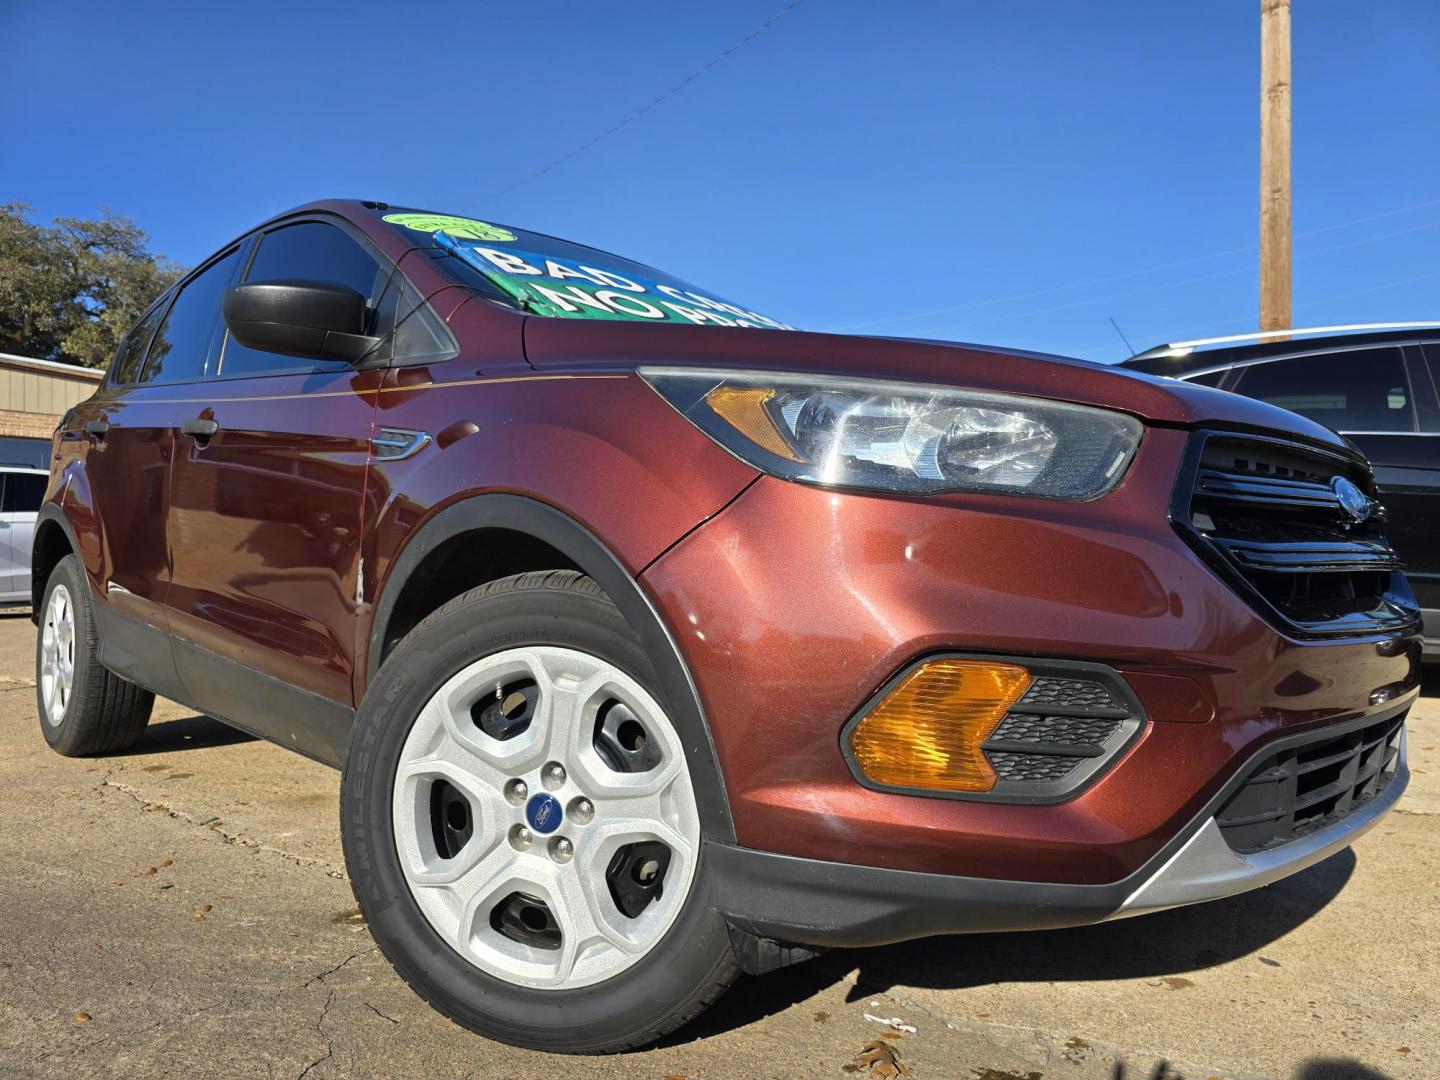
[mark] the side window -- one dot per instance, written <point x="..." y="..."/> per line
<point x="18" y="450"/>
<point x="1359" y="390"/>
<point x="309" y="251"/>
<point x="191" y="331"/>
<point x="416" y="337"/>
<point x="24" y="492"/>
<point x="131" y="354"/>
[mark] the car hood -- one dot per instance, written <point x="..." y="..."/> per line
<point x="581" y="343"/>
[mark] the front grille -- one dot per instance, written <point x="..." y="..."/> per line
<point x="1268" y="514"/>
<point x="1304" y="788"/>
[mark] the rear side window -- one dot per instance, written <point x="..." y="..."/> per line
<point x="1358" y="390"/>
<point x="309" y="251"/>
<point x="24" y="492"/>
<point x="131" y="355"/>
<point x="191" y="331"/>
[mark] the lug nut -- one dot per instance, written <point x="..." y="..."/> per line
<point x="517" y="791"/>
<point x="520" y="837"/>
<point x="554" y="774"/>
<point x="561" y="849"/>
<point x="582" y="810"/>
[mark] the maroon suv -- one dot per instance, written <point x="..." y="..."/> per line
<point x="658" y="641"/>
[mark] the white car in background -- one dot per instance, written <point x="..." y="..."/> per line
<point x="21" y="492"/>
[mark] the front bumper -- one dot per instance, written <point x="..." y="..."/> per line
<point x="794" y="604"/>
<point x="828" y="904"/>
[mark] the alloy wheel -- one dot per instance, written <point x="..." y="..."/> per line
<point x="57" y="654"/>
<point x="544" y="817"/>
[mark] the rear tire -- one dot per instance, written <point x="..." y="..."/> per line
<point x="529" y="691"/>
<point x="85" y="709"/>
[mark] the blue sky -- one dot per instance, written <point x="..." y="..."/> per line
<point x="1007" y="173"/>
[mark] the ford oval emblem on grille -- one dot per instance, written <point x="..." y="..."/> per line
<point x="1354" y="502"/>
<point x="544" y="813"/>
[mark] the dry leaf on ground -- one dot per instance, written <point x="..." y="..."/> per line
<point x="878" y="1058"/>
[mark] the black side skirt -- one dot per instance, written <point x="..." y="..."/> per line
<point x="239" y="696"/>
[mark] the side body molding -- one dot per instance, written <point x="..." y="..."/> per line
<point x="545" y="523"/>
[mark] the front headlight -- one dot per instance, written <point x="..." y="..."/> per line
<point x="884" y="436"/>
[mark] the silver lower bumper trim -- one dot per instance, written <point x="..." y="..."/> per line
<point x="1205" y="868"/>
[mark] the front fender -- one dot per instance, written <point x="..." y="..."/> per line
<point x="548" y="525"/>
<point x="595" y="465"/>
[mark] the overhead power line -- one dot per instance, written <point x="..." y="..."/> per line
<point x="638" y="113"/>
<point x="1091" y="301"/>
<point x="1196" y="329"/>
<point x="1125" y="275"/>
<point x="1372" y="289"/>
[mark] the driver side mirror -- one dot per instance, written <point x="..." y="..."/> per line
<point x="312" y="319"/>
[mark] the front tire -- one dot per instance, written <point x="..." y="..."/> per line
<point x="85" y="709"/>
<point x="521" y="829"/>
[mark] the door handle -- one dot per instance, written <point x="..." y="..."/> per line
<point x="97" y="428"/>
<point x="199" y="429"/>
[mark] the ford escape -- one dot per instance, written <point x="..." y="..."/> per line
<point x="658" y="641"/>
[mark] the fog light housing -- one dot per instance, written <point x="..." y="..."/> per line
<point x="925" y="733"/>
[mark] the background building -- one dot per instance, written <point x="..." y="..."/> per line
<point x="34" y="394"/>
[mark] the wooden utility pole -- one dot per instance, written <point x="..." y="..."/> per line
<point x="1274" y="164"/>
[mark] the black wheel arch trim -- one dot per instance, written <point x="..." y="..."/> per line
<point x="49" y="513"/>
<point x="545" y="523"/>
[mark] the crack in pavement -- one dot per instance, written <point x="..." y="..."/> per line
<point x="225" y="835"/>
<point x="331" y="971"/>
<point x="135" y="795"/>
<point x="320" y="1030"/>
<point x="378" y="1013"/>
<point x="325" y="1009"/>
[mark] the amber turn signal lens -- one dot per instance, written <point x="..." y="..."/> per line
<point x="743" y="408"/>
<point x="927" y="731"/>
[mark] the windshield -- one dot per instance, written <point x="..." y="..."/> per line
<point x="545" y="276"/>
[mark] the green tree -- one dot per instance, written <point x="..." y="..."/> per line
<point x="69" y="291"/>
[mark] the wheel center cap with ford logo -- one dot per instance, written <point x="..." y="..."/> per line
<point x="1352" y="500"/>
<point x="543" y="813"/>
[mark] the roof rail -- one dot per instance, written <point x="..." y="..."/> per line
<point x="1184" y="348"/>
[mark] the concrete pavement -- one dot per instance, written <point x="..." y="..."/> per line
<point x="182" y="911"/>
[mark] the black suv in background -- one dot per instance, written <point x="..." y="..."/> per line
<point x="1374" y="384"/>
